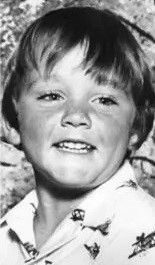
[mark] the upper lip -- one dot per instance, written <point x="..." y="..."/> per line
<point x="74" y="141"/>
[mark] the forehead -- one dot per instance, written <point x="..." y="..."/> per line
<point x="68" y="65"/>
<point x="70" y="62"/>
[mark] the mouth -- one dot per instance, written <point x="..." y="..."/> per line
<point x="74" y="146"/>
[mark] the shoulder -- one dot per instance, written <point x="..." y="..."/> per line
<point x="17" y="215"/>
<point x="12" y="227"/>
<point x="8" y="242"/>
<point x="4" y="230"/>
<point x="136" y="203"/>
<point x="9" y="248"/>
<point x="133" y="227"/>
<point x="131" y="202"/>
<point x="135" y="218"/>
<point x="7" y="235"/>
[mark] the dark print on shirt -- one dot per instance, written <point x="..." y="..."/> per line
<point x="103" y="228"/>
<point x="47" y="262"/>
<point x="129" y="183"/>
<point x="93" y="250"/>
<point x="143" y="243"/>
<point x="31" y="250"/>
<point x="78" y="215"/>
<point x="34" y="208"/>
<point x="13" y="236"/>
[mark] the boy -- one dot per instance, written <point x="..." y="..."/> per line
<point x="80" y="97"/>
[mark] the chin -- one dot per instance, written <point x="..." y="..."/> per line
<point x="75" y="177"/>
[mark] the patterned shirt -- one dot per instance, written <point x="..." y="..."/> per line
<point x="113" y="225"/>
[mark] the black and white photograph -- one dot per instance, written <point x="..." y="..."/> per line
<point x="77" y="132"/>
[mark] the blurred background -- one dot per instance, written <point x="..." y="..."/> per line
<point x="16" y="174"/>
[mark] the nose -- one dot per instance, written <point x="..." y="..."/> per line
<point x="76" y="117"/>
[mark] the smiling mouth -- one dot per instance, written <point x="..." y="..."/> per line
<point x="72" y="146"/>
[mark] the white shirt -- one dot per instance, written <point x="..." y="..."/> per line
<point x="114" y="225"/>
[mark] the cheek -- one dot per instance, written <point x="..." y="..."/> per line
<point x="37" y="126"/>
<point x="113" y="131"/>
<point x="32" y="126"/>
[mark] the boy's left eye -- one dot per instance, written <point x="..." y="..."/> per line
<point x="107" y="101"/>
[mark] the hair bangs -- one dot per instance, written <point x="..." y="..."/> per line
<point x="115" y="64"/>
<point x="109" y="55"/>
<point x="46" y="42"/>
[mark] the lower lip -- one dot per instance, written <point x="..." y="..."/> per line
<point x="75" y="151"/>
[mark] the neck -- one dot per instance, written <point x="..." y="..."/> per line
<point x="54" y="204"/>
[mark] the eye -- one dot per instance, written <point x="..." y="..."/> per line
<point x="107" y="101"/>
<point x="51" y="96"/>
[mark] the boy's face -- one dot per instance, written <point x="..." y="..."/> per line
<point x="74" y="131"/>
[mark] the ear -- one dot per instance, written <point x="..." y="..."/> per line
<point x="14" y="101"/>
<point x="14" y="134"/>
<point x="133" y="140"/>
<point x="10" y="135"/>
<point x="15" y="137"/>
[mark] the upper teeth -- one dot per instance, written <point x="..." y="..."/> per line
<point x="72" y="145"/>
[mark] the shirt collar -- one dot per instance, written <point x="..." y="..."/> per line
<point x="20" y="218"/>
<point x="102" y="198"/>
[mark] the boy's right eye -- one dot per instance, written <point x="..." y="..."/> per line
<point x="51" y="96"/>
